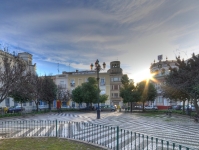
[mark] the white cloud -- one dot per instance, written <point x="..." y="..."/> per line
<point x="78" y="33"/>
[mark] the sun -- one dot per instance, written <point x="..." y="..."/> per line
<point x="142" y="75"/>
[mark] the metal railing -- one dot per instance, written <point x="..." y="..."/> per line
<point x="107" y="136"/>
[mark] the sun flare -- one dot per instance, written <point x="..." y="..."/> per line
<point x="143" y="75"/>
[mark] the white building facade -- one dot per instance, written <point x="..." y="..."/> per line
<point x="160" y="69"/>
<point x="27" y="58"/>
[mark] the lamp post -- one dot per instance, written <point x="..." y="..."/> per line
<point x="98" y="68"/>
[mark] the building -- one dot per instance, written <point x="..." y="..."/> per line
<point x="78" y="77"/>
<point x="61" y="81"/>
<point x="115" y="74"/>
<point x="160" y="69"/>
<point x="109" y="82"/>
<point x="27" y="58"/>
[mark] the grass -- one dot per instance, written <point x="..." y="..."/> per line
<point x="44" y="144"/>
<point x="2" y="115"/>
<point x="151" y="113"/>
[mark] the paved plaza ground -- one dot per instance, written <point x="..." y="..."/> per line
<point x="177" y="128"/>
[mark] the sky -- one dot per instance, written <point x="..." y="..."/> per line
<point x="69" y="35"/>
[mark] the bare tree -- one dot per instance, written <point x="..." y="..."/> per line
<point x="63" y="94"/>
<point x="23" y="89"/>
<point x="36" y="83"/>
<point x="49" y="90"/>
<point x="11" y="70"/>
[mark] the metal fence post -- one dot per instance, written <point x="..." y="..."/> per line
<point x="117" y="137"/>
<point x="56" y="127"/>
<point x="173" y="146"/>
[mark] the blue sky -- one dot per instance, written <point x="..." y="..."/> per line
<point x="74" y="33"/>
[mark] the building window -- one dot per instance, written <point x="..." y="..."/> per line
<point x="102" y="81"/>
<point x="61" y="84"/>
<point x="115" y="79"/>
<point x="115" y="87"/>
<point x="15" y="103"/>
<point x="7" y="102"/>
<point x="115" y="95"/>
<point x="72" y="83"/>
<point x="64" y="104"/>
<point x="159" y="99"/>
<point x="80" y="82"/>
<point x="30" y="103"/>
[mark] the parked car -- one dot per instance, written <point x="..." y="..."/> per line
<point x="191" y="107"/>
<point x="151" y="107"/>
<point x="87" y="108"/>
<point x="138" y="107"/>
<point x="108" y="108"/>
<point x="41" y="107"/>
<point x="176" y="107"/>
<point x="15" y="109"/>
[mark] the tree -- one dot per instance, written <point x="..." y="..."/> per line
<point x="90" y="91"/>
<point x="77" y="95"/>
<point x="23" y="89"/>
<point x="185" y="78"/>
<point x="63" y="94"/>
<point x="11" y="70"/>
<point x="147" y="92"/>
<point x="128" y="91"/>
<point x="103" y="98"/>
<point x="175" y="94"/>
<point x="49" y="90"/>
<point x="36" y="83"/>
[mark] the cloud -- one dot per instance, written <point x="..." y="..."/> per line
<point x="79" y="32"/>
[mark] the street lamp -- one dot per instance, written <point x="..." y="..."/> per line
<point x="98" y="68"/>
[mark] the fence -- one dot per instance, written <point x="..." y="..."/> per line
<point x="109" y="137"/>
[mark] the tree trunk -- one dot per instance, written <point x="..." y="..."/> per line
<point x="37" y="107"/>
<point x="49" y="106"/>
<point x="183" y="106"/>
<point x="143" y="106"/>
<point x="22" y="110"/>
<point x="196" y="106"/>
<point x="131" y="106"/>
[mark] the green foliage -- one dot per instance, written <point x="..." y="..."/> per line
<point x="19" y="98"/>
<point x="185" y="80"/>
<point x="147" y="91"/>
<point x="49" y="90"/>
<point x="90" y="91"/>
<point x="103" y="98"/>
<point x="128" y="91"/>
<point x="77" y="95"/>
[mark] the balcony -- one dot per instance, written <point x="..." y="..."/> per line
<point x="102" y="83"/>
<point x="62" y="86"/>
